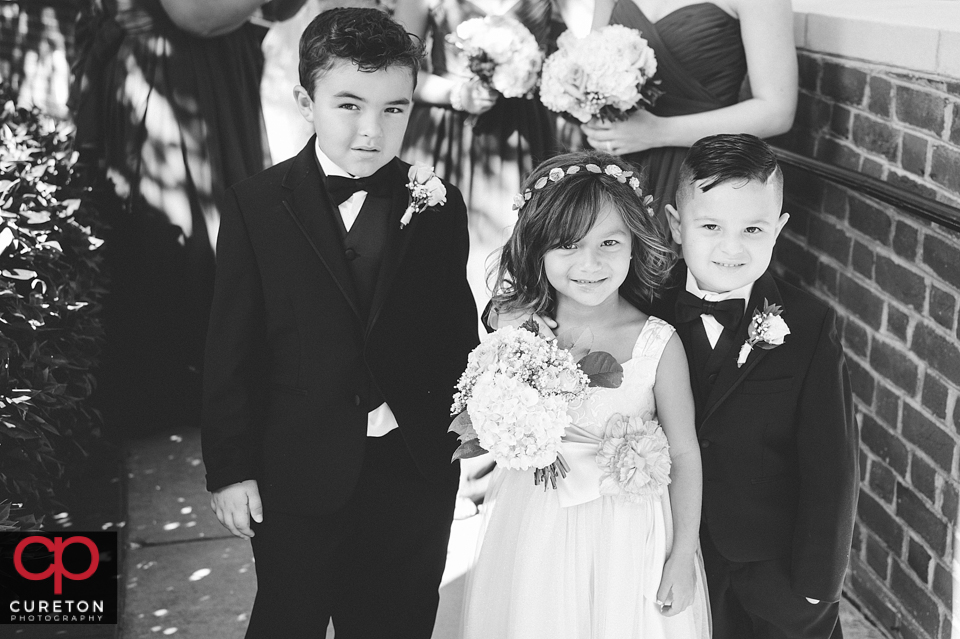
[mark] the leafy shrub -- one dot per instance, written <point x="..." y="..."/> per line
<point x="51" y="286"/>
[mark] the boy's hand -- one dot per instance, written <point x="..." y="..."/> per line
<point x="677" y="585"/>
<point x="235" y="504"/>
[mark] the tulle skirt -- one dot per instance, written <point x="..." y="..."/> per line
<point x="589" y="571"/>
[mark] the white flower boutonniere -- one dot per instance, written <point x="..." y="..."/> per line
<point x="426" y="190"/>
<point x="767" y="330"/>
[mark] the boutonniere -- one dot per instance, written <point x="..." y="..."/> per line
<point x="767" y="330"/>
<point x="426" y="190"/>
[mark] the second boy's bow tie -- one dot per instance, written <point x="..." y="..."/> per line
<point x="727" y="312"/>
<point x="342" y="188"/>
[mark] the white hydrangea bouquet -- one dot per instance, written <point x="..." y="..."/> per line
<point x="502" y="53"/>
<point x="634" y="458"/>
<point x="513" y="397"/>
<point x="605" y="75"/>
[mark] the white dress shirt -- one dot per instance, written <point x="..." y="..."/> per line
<point x="712" y="327"/>
<point x="381" y="419"/>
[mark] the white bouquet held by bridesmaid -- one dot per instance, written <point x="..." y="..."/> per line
<point x="605" y="75"/>
<point x="502" y="53"/>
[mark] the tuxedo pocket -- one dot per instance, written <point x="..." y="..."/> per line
<point x="766" y="386"/>
<point x="286" y="388"/>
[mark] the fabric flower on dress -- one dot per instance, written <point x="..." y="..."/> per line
<point x="634" y="457"/>
<point x="426" y="190"/>
<point x="767" y="330"/>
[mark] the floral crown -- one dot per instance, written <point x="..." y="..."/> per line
<point x="558" y="173"/>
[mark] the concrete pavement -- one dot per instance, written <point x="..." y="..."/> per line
<point x="186" y="576"/>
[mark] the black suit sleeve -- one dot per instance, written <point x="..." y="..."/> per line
<point x="233" y="357"/>
<point x="828" y="454"/>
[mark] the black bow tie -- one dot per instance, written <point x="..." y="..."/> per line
<point x="727" y="312"/>
<point x="342" y="188"/>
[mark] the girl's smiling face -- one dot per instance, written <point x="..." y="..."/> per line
<point x="589" y="272"/>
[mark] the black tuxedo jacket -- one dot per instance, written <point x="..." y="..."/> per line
<point x="292" y="358"/>
<point x="779" y="442"/>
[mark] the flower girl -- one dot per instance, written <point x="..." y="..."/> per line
<point x="612" y="551"/>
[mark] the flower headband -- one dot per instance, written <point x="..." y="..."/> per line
<point x="558" y="173"/>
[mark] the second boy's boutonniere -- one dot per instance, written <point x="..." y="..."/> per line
<point x="767" y="330"/>
<point x="426" y="190"/>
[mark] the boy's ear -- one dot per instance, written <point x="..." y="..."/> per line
<point x="304" y="102"/>
<point x="784" y="218"/>
<point x="673" y="218"/>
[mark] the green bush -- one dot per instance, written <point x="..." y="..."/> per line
<point x="51" y="286"/>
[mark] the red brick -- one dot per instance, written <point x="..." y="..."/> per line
<point x="916" y="599"/>
<point x="902" y="283"/>
<point x="827" y="278"/>
<point x="862" y="381"/>
<point x="878" y="557"/>
<point x="884" y="444"/>
<point x="910" y="184"/>
<point x="876" y="136"/>
<point x="888" y="406"/>
<point x="880" y="522"/>
<point x="880" y="91"/>
<point x="943" y="257"/>
<point x="843" y="83"/>
<point x="928" y="437"/>
<point x="921" y="518"/>
<point x="919" y="560"/>
<point x="945" y="167"/>
<point x="922" y="109"/>
<point x="948" y="507"/>
<point x="891" y="362"/>
<point x="882" y="482"/>
<point x="870" y="220"/>
<point x="872" y="168"/>
<point x="795" y="257"/>
<point x="840" y="121"/>
<point x="863" y="465"/>
<point x="862" y="302"/>
<point x="938" y="351"/>
<point x="839" y="154"/>
<point x="914" y="157"/>
<point x="813" y="113"/>
<point x="906" y="240"/>
<point x="923" y="478"/>
<point x="830" y="239"/>
<point x="943" y="306"/>
<point x="955" y="129"/>
<point x="809" y="72"/>
<point x="874" y="595"/>
<point x="856" y="340"/>
<point x="897" y="323"/>
<point x="833" y="201"/>
<point x="943" y="584"/>
<point x="934" y="396"/>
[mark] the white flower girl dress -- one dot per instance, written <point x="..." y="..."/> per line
<point x="573" y="563"/>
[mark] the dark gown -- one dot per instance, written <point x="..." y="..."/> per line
<point x="701" y="65"/>
<point x="172" y="120"/>
<point x="486" y="160"/>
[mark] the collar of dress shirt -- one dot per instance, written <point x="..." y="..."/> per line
<point x="743" y="292"/>
<point x="329" y="166"/>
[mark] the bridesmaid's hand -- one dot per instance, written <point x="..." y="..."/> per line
<point x="677" y="585"/>
<point x="476" y="97"/>
<point x="637" y="133"/>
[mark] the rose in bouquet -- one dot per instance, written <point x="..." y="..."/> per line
<point x="634" y="458"/>
<point x="513" y="397"/>
<point x="502" y="53"/>
<point x="605" y="75"/>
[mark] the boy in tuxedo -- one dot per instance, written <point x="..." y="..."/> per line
<point x="336" y="339"/>
<point x="778" y="439"/>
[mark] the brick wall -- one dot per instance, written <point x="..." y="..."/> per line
<point x="895" y="281"/>
<point x="36" y="42"/>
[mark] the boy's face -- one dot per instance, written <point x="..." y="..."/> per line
<point x="728" y="233"/>
<point x="359" y="116"/>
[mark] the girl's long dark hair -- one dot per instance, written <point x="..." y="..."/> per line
<point x="561" y="213"/>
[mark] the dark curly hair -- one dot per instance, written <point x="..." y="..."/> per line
<point x="728" y="157"/>
<point x="562" y="213"/>
<point x="367" y="37"/>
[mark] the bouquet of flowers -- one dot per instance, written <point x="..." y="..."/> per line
<point x="634" y="458"/>
<point x="513" y="397"/>
<point x="606" y="74"/>
<point x="501" y="52"/>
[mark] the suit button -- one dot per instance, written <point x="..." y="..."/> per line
<point x="356" y="400"/>
<point x="704" y="443"/>
<point x="350" y="254"/>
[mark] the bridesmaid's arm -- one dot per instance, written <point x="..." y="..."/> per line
<point x="435" y="89"/>
<point x="212" y="18"/>
<point x="766" y="27"/>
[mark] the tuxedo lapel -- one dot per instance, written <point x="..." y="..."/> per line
<point x="730" y="375"/>
<point x="398" y="241"/>
<point x="313" y="213"/>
